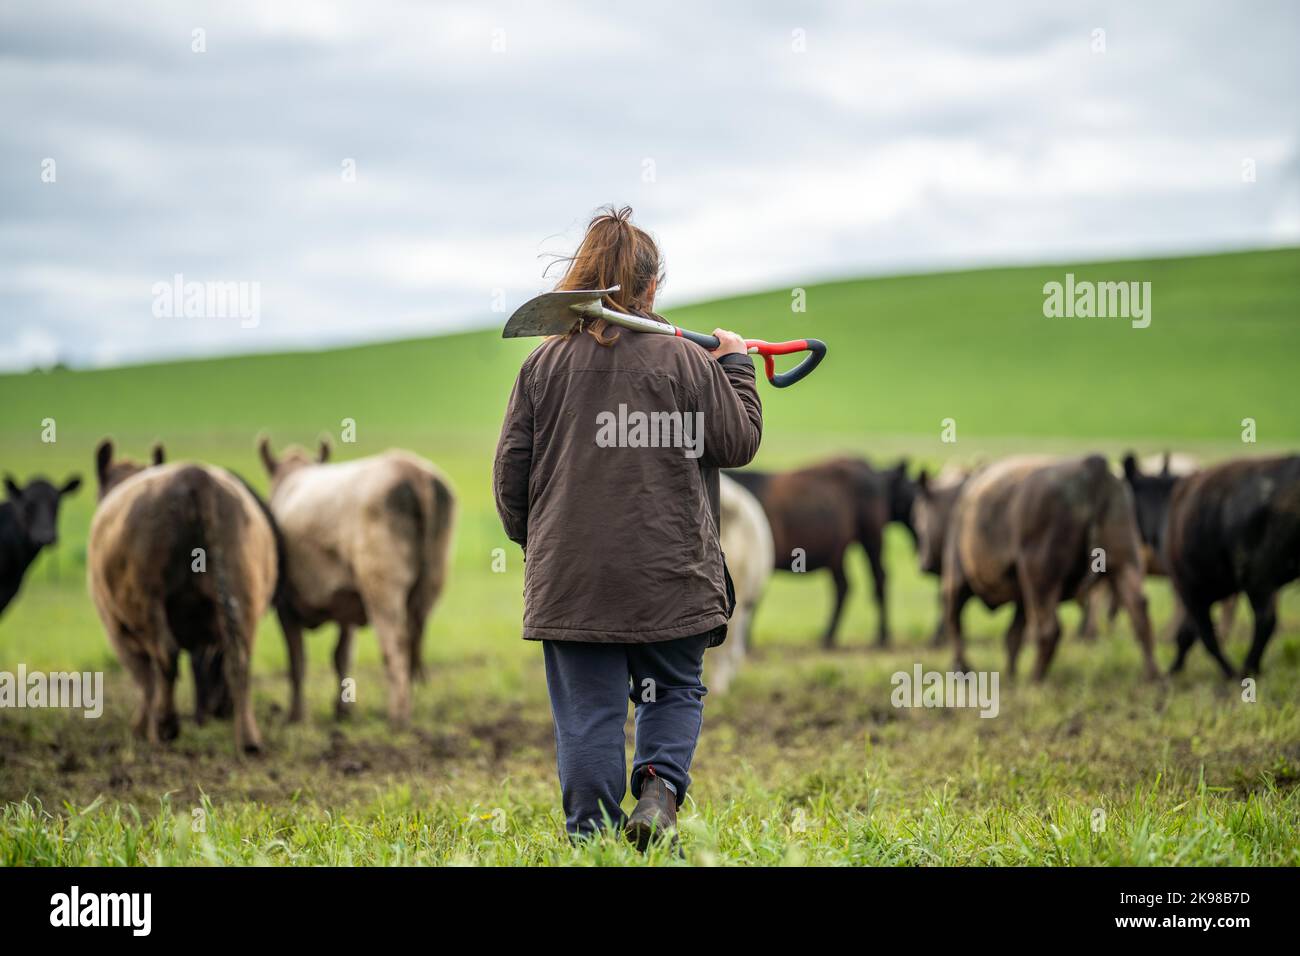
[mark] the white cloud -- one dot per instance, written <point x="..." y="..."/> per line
<point x="908" y="135"/>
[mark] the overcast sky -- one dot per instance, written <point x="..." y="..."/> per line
<point x="766" y="145"/>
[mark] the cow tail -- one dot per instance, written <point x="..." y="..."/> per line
<point x="204" y="495"/>
<point x="444" y="514"/>
<point x="433" y="523"/>
<point x="437" y="515"/>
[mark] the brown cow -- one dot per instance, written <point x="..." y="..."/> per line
<point x="366" y="541"/>
<point x="1027" y="531"/>
<point x="817" y="512"/>
<point x="931" y="514"/>
<point x="181" y="558"/>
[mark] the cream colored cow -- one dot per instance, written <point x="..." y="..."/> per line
<point x="747" y="544"/>
<point x="365" y="541"/>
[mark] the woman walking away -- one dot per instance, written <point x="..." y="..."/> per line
<point x="606" y="475"/>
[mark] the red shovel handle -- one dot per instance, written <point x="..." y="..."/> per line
<point x="815" y="347"/>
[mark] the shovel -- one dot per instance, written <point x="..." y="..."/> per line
<point x="554" y="313"/>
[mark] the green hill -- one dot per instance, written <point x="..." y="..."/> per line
<point x="905" y="353"/>
<point x="1187" y="776"/>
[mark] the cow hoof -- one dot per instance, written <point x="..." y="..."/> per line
<point x="169" y="728"/>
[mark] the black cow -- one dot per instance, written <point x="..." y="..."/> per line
<point x="29" y="520"/>
<point x="1233" y="528"/>
<point x="1151" y="495"/>
<point x="817" y="512"/>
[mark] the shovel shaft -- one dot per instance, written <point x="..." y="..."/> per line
<point x="815" y="347"/>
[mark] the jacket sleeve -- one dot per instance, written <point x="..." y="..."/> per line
<point x="514" y="461"/>
<point x="733" y="414"/>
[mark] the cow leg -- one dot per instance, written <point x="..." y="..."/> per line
<point x="342" y="666"/>
<point x="873" y="545"/>
<point x="1048" y="636"/>
<point x="142" y="670"/>
<point x="1015" y="639"/>
<point x="1228" y="617"/>
<point x="1264" y="607"/>
<point x="1170" y="633"/>
<point x="1115" y="602"/>
<point x="1200" y="615"/>
<point x="389" y="622"/>
<point x="166" y="725"/>
<point x="940" y="626"/>
<point x="292" y="628"/>
<point x="211" y="696"/>
<point x="1088" y="623"/>
<point x="1184" y="636"/>
<point x="7" y="592"/>
<point x="841" y="593"/>
<point x="235" y="660"/>
<point x="1130" y="594"/>
<point x="415" y="622"/>
<point x="1040" y="600"/>
<point x="955" y="599"/>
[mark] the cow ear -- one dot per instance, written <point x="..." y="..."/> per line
<point x="159" y="453"/>
<point x="1130" y="467"/>
<point x="268" y="459"/>
<point x="103" y="458"/>
<point x="71" y="485"/>
<point x="12" y="489"/>
<point x="923" y="484"/>
<point x="323" y="455"/>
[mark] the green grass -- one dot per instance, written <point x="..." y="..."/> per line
<point x="804" y="761"/>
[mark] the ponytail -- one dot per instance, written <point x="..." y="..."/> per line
<point x="614" y="252"/>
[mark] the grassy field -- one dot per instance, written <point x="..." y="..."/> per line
<point x="804" y="760"/>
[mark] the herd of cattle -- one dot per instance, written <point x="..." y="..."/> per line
<point x="188" y="557"/>
<point x="1034" y="532"/>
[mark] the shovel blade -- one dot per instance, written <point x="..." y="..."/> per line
<point x="551" y="313"/>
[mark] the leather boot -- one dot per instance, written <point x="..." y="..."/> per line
<point x="655" y="816"/>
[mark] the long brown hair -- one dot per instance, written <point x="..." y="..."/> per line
<point x="614" y="252"/>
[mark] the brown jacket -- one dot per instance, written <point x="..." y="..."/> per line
<point x="620" y="536"/>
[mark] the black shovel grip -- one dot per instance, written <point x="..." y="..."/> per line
<point x="816" y="349"/>
<point x="709" y="342"/>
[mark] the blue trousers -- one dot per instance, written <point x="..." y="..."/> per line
<point x="590" y="685"/>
